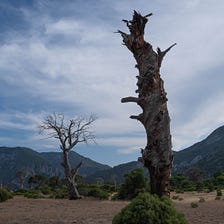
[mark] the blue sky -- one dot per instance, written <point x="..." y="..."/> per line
<point x="63" y="56"/>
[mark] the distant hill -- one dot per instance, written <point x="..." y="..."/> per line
<point x="13" y="159"/>
<point x="88" y="166"/>
<point x="207" y="155"/>
<point x="115" y="173"/>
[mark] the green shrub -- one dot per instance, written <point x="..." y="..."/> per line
<point x="20" y="192"/>
<point x="194" y="204"/>
<point x="149" y="209"/>
<point x="45" y="189"/>
<point x="94" y="191"/>
<point x="211" y="187"/>
<point x="199" y="186"/>
<point x="33" y="194"/>
<point x="59" y="193"/>
<point x="179" y="191"/>
<point x="5" y="195"/>
<point x="115" y="197"/>
<point x="108" y="187"/>
<point x="207" y="191"/>
<point x="175" y="197"/>
<point x="218" y="193"/>
<point x="98" y="193"/>
<point x="217" y="197"/>
<point x="135" y="183"/>
<point x="201" y="200"/>
<point x="83" y="190"/>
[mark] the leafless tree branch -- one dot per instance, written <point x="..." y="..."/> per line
<point x="70" y="133"/>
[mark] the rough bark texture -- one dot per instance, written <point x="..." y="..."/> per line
<point x="70" y="175"/>
<point x="157" y="155"/>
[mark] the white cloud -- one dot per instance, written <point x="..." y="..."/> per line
<point x="65" y="27"/>
<point x="124" y="145"/>
<point x="80" y="62"/>
<point x="206" y="119"/>
<point x="19" y="120"/>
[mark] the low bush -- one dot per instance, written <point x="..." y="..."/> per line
<point x="218" y="198"/>
<point x="45" y="189"/>
<point x="108" y="188"/>
<point x="201" y="200"/>
<point x="33" y="194"/>
<point x="83" y="190"/>
<point x="20" y="192"/>
<point x="59" y="193"/>
<point x="98" y="193"/>
<point x="94" y="191"/>
<point x="175" y="197"/>
<point x="179" y="191"/>
<point x="194" y="204"/>
<point x="5" y="195"/>
<point x="135" y="183"/>
<point x="149" y="209"/>
<point x="115" y="197"/>
<point x="218" y="193"/>
<point x="207" y="191"/>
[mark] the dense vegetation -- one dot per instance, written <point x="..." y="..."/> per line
<point x="135" y="182"/>
<point x="5" y="195"/>
<point x="181" y="183"/>
<point x="54" y="187"/>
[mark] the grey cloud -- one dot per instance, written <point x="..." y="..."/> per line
<point x="70" y="57"/>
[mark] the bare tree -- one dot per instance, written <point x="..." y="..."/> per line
<point x="70" y="134"/>
<point x="157" y="155"/>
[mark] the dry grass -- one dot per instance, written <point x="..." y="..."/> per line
<point x="21" y="210"/>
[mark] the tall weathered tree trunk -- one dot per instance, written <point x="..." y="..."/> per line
<point x="157" y="155"/>
<point x="70" y="175"/>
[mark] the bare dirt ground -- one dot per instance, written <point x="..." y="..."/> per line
<point x="209" y="212"/>
<point x="21" y="210"/>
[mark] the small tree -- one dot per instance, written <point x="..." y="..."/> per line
<point x="70" y="133"/>
<point x="135" y="182"/>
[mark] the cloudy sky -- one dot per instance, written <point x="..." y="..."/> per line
<point x="63" y="56"/>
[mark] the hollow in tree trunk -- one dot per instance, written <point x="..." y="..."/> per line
<point x="157" y="155"/>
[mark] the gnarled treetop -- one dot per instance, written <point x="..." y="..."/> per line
<point x="135" y="40"/>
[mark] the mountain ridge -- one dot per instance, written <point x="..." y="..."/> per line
<point x="206" y="155"/>
<point x="14" y="159"/>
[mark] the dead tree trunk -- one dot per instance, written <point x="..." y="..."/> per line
<point x="70" y="175"/>
<point x="157" y="155"/>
